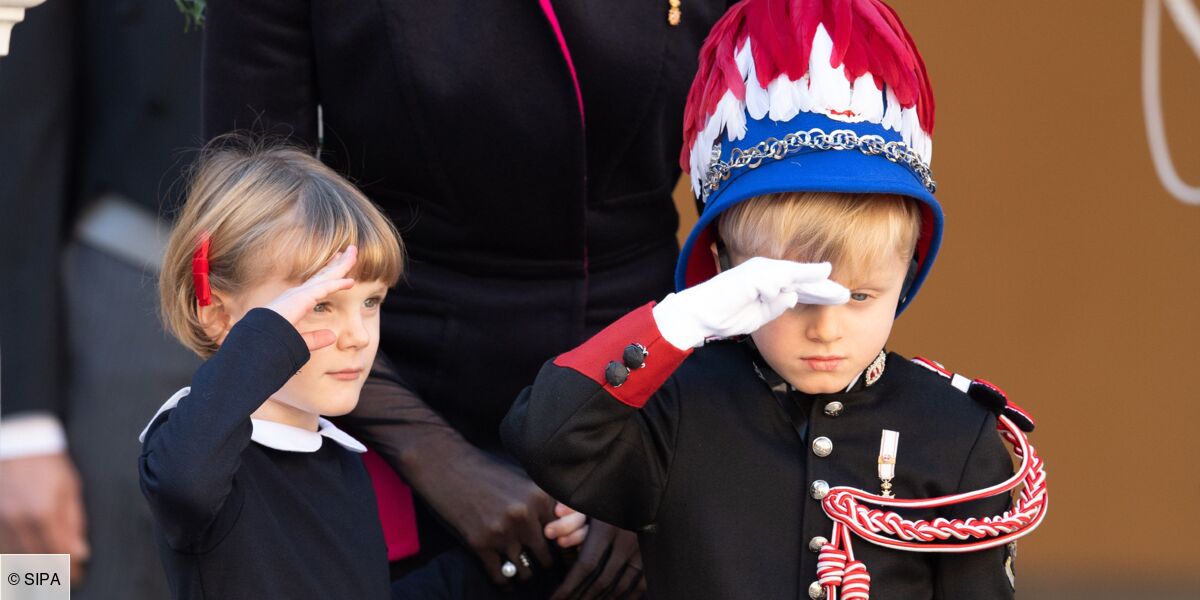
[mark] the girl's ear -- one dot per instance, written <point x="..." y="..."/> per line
<point x="716" y="254"/>
<point x="215" y="318"/>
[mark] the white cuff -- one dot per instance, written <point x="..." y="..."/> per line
<point x="676" y="326"/>
<point x="30" y="434"/>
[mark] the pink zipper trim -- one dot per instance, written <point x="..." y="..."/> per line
<point x="562" y="44"/>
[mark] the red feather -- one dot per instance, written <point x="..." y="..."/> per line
<point x="867" y="37"/>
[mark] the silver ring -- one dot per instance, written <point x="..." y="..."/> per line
<point x="524" y="558"/>
<point x="508" y="569"/>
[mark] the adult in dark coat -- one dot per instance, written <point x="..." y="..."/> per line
<point x="97" y="100"/>
<point x="530" y="175"/>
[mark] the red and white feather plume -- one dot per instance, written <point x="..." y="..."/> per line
<point x="851" y="60"/>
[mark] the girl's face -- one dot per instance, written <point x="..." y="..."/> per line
<point x="329" y="383"/>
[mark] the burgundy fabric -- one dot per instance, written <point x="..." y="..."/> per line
<point x="396" y="513"/>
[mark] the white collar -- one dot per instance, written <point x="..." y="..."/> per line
<point x="277" y="435"/>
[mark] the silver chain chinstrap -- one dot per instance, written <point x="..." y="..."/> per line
<point x="813" y="139"/>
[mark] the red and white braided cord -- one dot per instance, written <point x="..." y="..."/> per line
<point x="836" y="566"/>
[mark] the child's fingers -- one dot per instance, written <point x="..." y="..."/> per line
<point x="315" y="340"/>
<point x="574" y="538"/>
<point x="320" y="289"/>
<point x="565" y="525"/>
<point x="339" y="265"/>
<point x="562" y="510"/>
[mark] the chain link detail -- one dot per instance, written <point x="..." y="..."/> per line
<point x="813" y="139"/>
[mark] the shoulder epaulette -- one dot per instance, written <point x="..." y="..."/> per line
<point x="982" y="391"/>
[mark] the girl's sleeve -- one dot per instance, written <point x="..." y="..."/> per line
<point x="984" y="574"/>
<point x="191" y="452"/>
<point x="258" y="69"/>
<point x="601" y="445"/>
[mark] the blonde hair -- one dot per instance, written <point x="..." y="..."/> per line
<point x="852" y="231"/>
<point x="267" y="209"/>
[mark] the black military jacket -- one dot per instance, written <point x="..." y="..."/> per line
<point x="715" y="468"/>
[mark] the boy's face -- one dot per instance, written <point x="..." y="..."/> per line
<point x="820" y="349"/>
<point x="330" y="382"/>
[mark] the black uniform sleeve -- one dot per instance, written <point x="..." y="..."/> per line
<point x="982" y="574"/>
<point x="259" y="69"/>
<point x="191" y="453"/>
<point x="602" y="449"/>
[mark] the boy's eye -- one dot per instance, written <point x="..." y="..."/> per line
<point x="372" y="302"/>
<point x="859" y="296"/>
<point x="321" y="307"/>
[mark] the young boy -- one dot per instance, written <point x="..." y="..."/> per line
<point x="749" y="464"/>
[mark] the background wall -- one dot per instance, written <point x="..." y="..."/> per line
<point x="1070" y="276"/>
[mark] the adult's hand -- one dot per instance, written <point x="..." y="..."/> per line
<point x="498" y="512"/>
<point x="609" y="566"/>
<point x="41" y="509"/>
<point x="490" y="504"/>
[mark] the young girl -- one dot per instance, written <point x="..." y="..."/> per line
<point x="275" y="273"/>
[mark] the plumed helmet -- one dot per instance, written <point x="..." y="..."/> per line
<point x="808" y="95"/>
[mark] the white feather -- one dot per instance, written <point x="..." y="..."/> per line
<point x="867" y="100"/>
<point x="829" y="86"/>
<point x="923" y="146"/>
<point x="698" y="170"/>
<point x="802" y="96"/>
<point x="757" y="102"/>
<point x="733" y="113"/>
<point x="783" y="107"/>
<point x="713" y="127"/>
<point x="909" y="126"/>
<point x="891" y="115"/>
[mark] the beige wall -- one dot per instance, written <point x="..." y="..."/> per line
<point x="1068" y="275"/>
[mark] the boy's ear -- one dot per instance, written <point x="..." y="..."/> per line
<point x="716" y="255"/>
<point x="215" y="318"/>
<point x="906" y="287"/>
<point x="720" y="255"/>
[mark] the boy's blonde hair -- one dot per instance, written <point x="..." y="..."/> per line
<point x="852" y="231"/>
<point x="267" y="210"/>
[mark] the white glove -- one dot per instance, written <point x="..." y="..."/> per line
<point x="742" y="299"/>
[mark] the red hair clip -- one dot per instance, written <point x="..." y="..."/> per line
<point x="200" y="273"/>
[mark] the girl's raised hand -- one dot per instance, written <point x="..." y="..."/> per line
<point x="294" y="303"/>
